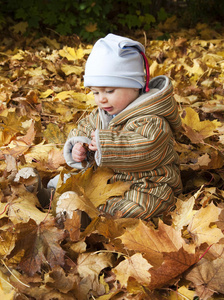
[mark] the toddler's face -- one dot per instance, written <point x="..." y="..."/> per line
<point x="114" y="99"/>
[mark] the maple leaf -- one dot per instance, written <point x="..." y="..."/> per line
<point x="153" y="243"/>
<point x="198" y="130"/>
<point x="175" y="263"/>
<point x="135" y="266"/>
<point x="89" y="266"/>
<point x="163" y="248"/>
<point x="200" y="229"/>
<point x="208" y="277"/>
<point x="94" y="185"/>
<point x="53" y="134"/>
<point x="39" y="243"/>
<point x="23" y="206"/>
<point x="184" y="212"/>
<point x="57" y="279"/>
<point x="72" y="53"/>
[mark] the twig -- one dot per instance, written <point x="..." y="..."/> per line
<point x="4" y="209"/>
<point x="205" y="252"/>
<point x="145" y="38"/>
<point x="13" y="274"/>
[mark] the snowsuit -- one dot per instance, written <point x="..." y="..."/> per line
<point x="138" y="144"/>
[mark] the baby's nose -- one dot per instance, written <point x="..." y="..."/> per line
<point x="103" y="98"/>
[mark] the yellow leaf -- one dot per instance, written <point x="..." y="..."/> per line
<point x="184" y="212"/>
<point x="96" y="187"/>
<point x="47" y="93"/>
<point x="200" y="228"/>
<point x="183" y="293"/>
<point x="72" y="53"/>
<point x="7" y="292"/>
<point x="24" y="207"/>
<point x="205" y="128"/>
<point x="19" y="55"/>
<point x="67" y="69"/>
<point x="36" y="71"/>
<point x="196" y="69"/>
<point x="135" y="266"/>
<point x="79" y="97"/>
<point x="156" y="69"/>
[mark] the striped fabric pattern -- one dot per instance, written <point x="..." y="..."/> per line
<point x="138" y="144"/>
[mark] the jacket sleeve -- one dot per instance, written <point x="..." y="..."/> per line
<point x="143" y="144"/>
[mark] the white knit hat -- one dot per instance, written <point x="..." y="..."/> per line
<point x="115" y="61"/>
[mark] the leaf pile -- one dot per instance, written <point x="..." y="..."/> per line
<point x="45" y="254"/>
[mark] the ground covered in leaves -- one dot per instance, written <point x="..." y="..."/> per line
<point x="43" y="252"/>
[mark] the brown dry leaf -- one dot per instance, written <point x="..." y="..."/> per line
<point x="16" y="148"/>
<point x="135" y="266"/>
<point x="154" y="242"/>
<point x="55" y="159"/>
<point x="175" y="263"/>
<point x="53" y="134"/>
<point x="39" y="243"/>
<point x="91" y="264"/>
<point x="208" y="277"/>
<point x="73" y="227"/>
<point x="200" y="228"/>
<point x="220" y="222"/>
<point x="28" y="138"/>
<point x="58" y="280"/>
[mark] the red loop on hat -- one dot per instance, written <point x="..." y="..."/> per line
<point x="147" y="71"/>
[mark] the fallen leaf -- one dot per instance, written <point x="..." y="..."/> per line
<point x="24" y="207"/>
<point x="135" y="266"/>
<point x="154" y="243"/>
<point x="95" y="185"/>
<point x="200" y="228"/>
<point x="184" y="211"/>
<point x="57" y="279"/>
<point x="208" y="277"/>
<point x="40" y="244"/>
<point x="70" y="201"/>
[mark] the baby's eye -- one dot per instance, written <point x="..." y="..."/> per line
<point x="95" y="93"/>
<point x="110" y="91"/>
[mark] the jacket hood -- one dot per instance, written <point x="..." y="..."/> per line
<point x="158" y="101"/>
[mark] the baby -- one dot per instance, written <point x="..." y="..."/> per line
<point x="131" y="130"/>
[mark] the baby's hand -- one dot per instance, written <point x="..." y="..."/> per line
<point x="78" y="152"/>
<point x="93" y="146"/>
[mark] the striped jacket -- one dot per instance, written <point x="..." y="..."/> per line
<point x="138" y="144"/>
